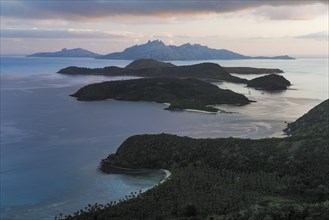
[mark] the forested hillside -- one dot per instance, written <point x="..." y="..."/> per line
<point x="314" y="122"/>
<point x="224" y="178"/>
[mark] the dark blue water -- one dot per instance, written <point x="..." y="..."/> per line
<point x="51" y="144"/>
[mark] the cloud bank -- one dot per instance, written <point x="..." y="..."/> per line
<point x="62" y="33"/>
<point x="321" y="36"/>
<point x="82" y="10"/>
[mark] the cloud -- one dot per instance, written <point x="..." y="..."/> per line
<point x="320" y="36"/>
<point x="303" y="12"/>
<point x="63" y="33"/>
<point x="86" y="10"/>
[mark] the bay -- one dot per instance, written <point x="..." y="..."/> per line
<point x="51" y="144"/>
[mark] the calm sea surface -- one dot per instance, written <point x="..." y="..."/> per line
<point x="51" y="144"/>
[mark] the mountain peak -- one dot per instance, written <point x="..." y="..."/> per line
<point x="157" y="50"/>
<point x="158" y="42"/>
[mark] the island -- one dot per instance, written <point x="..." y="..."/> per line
<point x="75" y="52"/>
<point x="160" y="51"/>
<point x="269" y="82"/>
<point x="225" y="178"/>
<point x="204" y="71"/>
<point x="154" y="68"/>
<point x="182" y="94"/>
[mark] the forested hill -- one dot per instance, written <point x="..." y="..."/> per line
<point x="314" y="122"/>
<point x="282" y="155"/>
<point x="224" y="178"/>
<point x="180" y="93"/>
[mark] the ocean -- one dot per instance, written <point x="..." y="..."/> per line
<point x="51" y="144"/>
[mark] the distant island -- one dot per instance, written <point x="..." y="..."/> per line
<point x="269" y="82"/>
<point x="225" y="178"/>
<point x="153" y="68"/>
<point x="204" y="71"/>
<point x="182" y="94"/>
<point x="159" y="51"/>
<point x="76" y="52"/>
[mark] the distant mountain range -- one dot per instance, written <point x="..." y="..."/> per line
<point x="76" y="52"/>
<point x="159" y="51"/>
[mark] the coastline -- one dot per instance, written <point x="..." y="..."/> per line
<point x="131" y="171"/>
<point x="167" y="175"/>
<point x="289" y="101"/>
<point x="199" y="111"/>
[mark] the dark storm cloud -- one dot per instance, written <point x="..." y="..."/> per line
<point x="80" y="10"/>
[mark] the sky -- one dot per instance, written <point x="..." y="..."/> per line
<point x="259" y="27"/>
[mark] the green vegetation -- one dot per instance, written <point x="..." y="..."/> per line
<point x="314" y="122"/>
<point x="269" y="82"/>
<point x="317" y="211"/>
<point x="224" y="178"/>
<point x="180" y="93"/>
